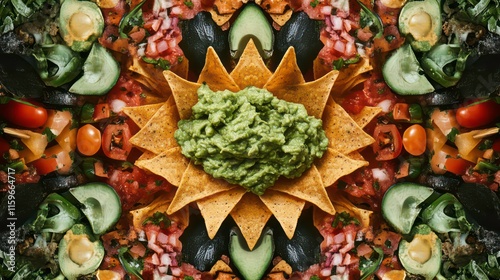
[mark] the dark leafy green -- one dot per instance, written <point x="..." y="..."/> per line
<point x="483" y="12"/>
<point x="15" y="12"/>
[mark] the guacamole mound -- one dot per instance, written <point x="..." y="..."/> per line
<point x="250" y="137"/>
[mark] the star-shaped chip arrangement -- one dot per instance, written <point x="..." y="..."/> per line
<point x="216" y="198"/>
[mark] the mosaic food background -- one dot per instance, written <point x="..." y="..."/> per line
<point x="249" y="140"/>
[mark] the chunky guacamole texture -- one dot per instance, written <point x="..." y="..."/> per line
<point x="250" y="137"/>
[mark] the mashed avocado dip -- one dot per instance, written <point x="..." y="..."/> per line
<point x="250" y="137"/>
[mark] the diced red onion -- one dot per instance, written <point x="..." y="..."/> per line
<point x="117" y="105"/>
<point x="380" y="174"/>
<point x="155" y="260"/>
<point x="165" y="259"/>
<point x="385" y="105"/>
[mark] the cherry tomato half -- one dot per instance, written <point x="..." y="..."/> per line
<point x="388" y="144"/>
<point x="115" y="141"/>
<point x="88" y="140"/>
<point x="478" y="114"/>
<point x="21" y="114"/>
<point x="415" y="140"/>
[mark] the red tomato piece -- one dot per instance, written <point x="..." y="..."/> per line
<point x="388" y="143"/>
<point x="478" y="114"/>
<point x="115" y="141"/>
<point x="21" y="114"/>
<point x="415" y="140"/>
<point x="4" y="146"/>
<point x="45" y="165"/>
<point x="496" y="145"/>
<point x="127" y="90"/>
<point x="62" y="157"/>
<point x="101" y="111"/>
<point x="401" y="112"/>
<point x="88" y="140"/>
<point x="457" y="166"/>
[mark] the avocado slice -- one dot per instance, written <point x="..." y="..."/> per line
<point x="401" y="204"/>
<point x="100" y="73"/>
<point x="252" y="264"/>
<point x="101" y="205"/>
<point x="81" y="23"/>
<point x="420" y="22"/>
<point x="421" y="255"/>
<point x="251" y="23"/>
<point x="403" y="74"/>
<point x="80" y="253"/>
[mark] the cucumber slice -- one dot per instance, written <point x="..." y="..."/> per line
<point x="403" y="74"/>
<point x="252" y="264"/>
<point x="401" y="204"/>
<point x="100" y="73"/>
<point x="100" y="204"/>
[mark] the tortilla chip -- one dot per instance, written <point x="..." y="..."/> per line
<point x="227" y="6"/>
<point x="282" y="266"/>
<point x="348" y="77"/>
<point x="184" y="92"/>
<point x="170" y="165"/>
<point x="220" y="266"/>
<point x="354" y="70"/>
<point x="355" y="155"/>
<point x="344" y="87"/>
<point x="151" y="98"/>
<point x="281" y="19"/>
<point x="287" y="73"/>
<point x="146" y="155"/>
<point x="142" y="114"/>
<point x="251" y="69"/>
<point x="159" y="204"/>
<point x="285" y="208"/>
<point x="251" y="216"/>
<point x="219" y="19"/>
<point x="157" y="135"/>
<point x="308" y="187"/>
<point x="334" y="165"/>
<point x="215" y="208"/>
<point x="196" y="184"/>
<point x="312" y="95"/>
<point x="274" y="6"/>
<point x="153" y="74"/>
<point x="215" y="75"/>
<point x="344" y="134"/>
<point x="182" y="68"/>
<point x="366" y="115"/>
<point x="342" y="204"/>
<point x="320" y="69"/>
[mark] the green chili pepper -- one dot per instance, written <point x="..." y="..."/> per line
<point x="372" y="20"/>
<point x="88" y="167"/>
<point x="415" y="167"/>
<point x="442" y="219"/>
<point x="131" y="265"/>
<point x="445" y="63"/>
<point x="66" y="214"/>
<point x="369" y="266"/>
<point x="87" y="113"/>
<point x="133" y="18"/>
<point x="487" y="167"/>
